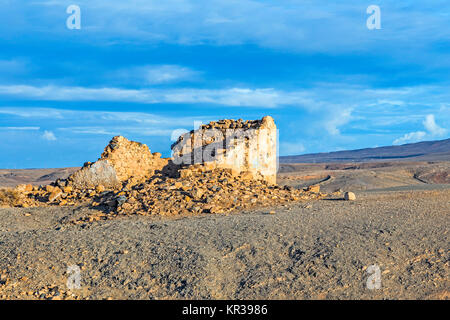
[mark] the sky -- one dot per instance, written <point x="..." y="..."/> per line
<point x="145" y="69"/>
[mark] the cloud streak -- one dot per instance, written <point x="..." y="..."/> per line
<point x="100" y="122"/>
<point x="314" y="98"/>
<point x="153" y="75"/>
<point x="296" y="25"/>
<point x="231" y="97"/>
<point x="20" y="128"/>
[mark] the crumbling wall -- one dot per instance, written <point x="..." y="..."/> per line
<point x="91" y="175"/>
<point x="248" y="148"/>
<point x="122" y="160"/>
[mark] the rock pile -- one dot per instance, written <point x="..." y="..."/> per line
<point x="201" y="191"/>
<point x="129" y="179"/>
<point x="11" y="197"/>
<point x="54" y="194"/>
<point x="197" y="190"/>
<point x="122" y="163"/>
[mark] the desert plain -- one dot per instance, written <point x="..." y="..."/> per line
<point x="307" y="249"/>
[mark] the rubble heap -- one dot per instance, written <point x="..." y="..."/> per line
<point x="122" y="163"/>
<point x="202" y="191"/>
<point x="236" y="170"/>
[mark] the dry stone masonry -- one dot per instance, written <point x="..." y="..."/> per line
<point x="246" y="147"/>
<point x="222" y="166"/>
<point x="122" y="160"/>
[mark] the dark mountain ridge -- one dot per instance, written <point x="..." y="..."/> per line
<point x="438" y="150"/>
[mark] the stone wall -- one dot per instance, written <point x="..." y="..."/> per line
<point x="122" y="160"/>
<point x="248" y="148"/>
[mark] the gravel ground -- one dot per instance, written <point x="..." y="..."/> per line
<point x="316" y="250"/>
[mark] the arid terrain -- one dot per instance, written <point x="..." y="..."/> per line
<point x="368" y="176"/>
<point x="317" y="249"/>
<point x="12" y="178"/>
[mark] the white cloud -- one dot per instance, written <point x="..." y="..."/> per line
<point x="433" y="131"/>
<point x="410" y="138"/>
<point x="330" y="109"/>
<point x="48" y="135"/>
<point x="432" y="127"/>
<point x="391" y="102"/>
<point x="90" y="130"/>
<point x="32" y="112"/>
<point x="337" y="99"/>
<point x="265" y="97"/>
<point x="339" y="118"/>
<point x="90" y="122"/>
<point x="154" y="74"/>
<point x="322" y="96"/>
<point x="167" y="74"/>
<point x="110" y="130"/>
<point x="95" y="117"/>
<point x="299" y="25"/>
<point x="20" y="128"/>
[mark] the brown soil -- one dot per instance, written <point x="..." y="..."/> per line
<point x="296" y="249"/>
<point x="316" y="250"/>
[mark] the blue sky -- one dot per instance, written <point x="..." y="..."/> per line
<point x="143" y="69"/>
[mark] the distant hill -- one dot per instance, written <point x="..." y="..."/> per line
<point x="420" y="151"/>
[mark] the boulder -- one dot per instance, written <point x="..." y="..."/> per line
<point x="55" y="194"/>
<point x="349" y="196"/>
<point x="314" y="189"/>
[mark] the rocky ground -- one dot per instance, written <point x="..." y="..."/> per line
<point x="13" y="177"/>
<point x="314" y="249"/>
<point x="195" y="190"/>
<point x="365" y="176"/>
